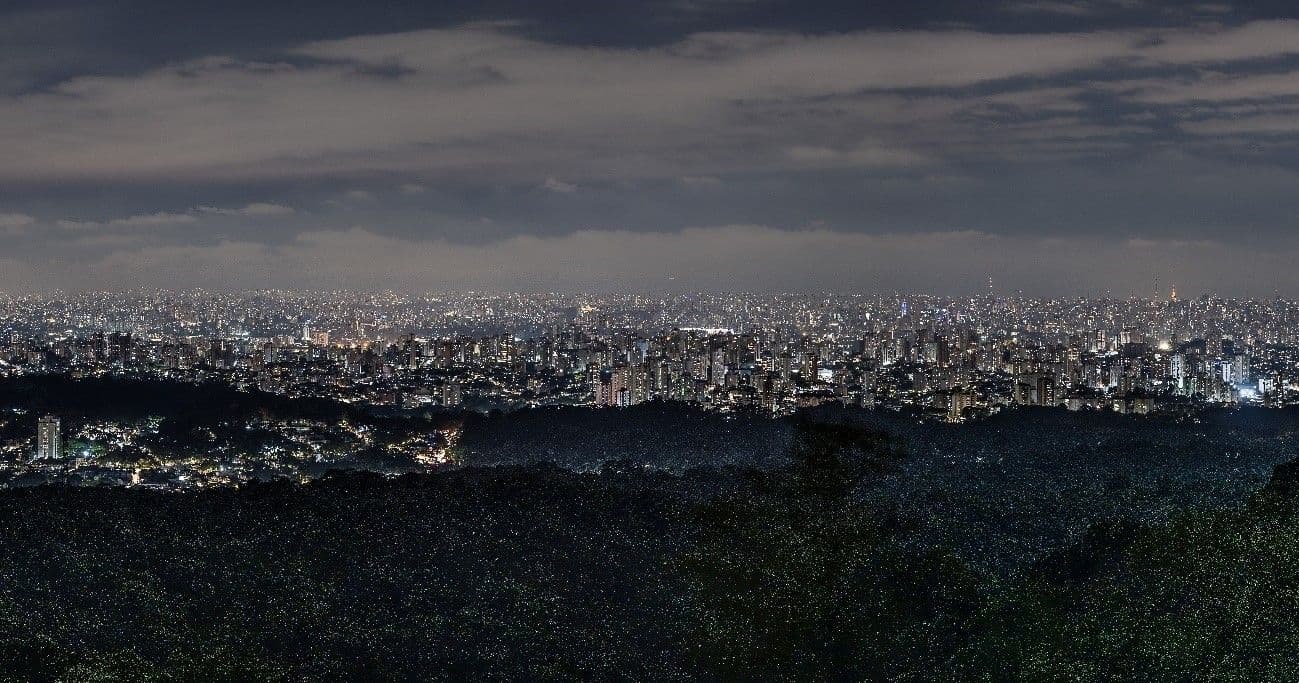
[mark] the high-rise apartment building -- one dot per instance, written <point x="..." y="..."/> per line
<point x="49" y="438"/>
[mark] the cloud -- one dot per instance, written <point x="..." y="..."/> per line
<point x="1078" y="9"/>
<point x="15" y="220"/>
<point x="557" y="185"/>
<point x="104" y="240"/>
<point x="700" y="181"/>
<point x="1251" y="125"/>
<point x="254" y="209"/>
<point x="921" y="131"/>
<point x="483" y="101"/>
<point x="1209" y="86"/>
<point x="150" y="220"/>
<point x="1213" y="8"/>
<point x="161" y="218"/>
<point x="1073" y="9"/>
<point x="1210" y="44"/>
<point x="14" y="223"/>
<point x="860" y="156"/>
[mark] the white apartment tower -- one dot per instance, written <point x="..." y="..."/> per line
<point x="49" y="438"/>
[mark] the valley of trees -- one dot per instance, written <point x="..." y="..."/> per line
<point x="533" y="572"/>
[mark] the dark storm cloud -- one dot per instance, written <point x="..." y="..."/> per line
<point x="540" y="144"/>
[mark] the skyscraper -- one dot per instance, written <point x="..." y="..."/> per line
<point x="451" y="395"/>
<point x="49" y="438"/>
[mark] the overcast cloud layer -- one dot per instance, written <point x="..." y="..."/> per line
<point x="1062" y="147"/>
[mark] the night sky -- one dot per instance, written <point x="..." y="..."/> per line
<point x="1058" y="147"/>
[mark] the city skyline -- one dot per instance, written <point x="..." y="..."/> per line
<point x="445" y="360"/>
<point x="1065" y="148"/>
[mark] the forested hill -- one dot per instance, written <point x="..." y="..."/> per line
<point x="1001" y="492"/>
<point x="541" y="573"/>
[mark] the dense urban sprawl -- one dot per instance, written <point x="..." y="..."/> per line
<point x="940" y="358"/>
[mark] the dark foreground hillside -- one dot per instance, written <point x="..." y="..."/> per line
<point x="1000" y="492"/>
<point x="537" y="573"/>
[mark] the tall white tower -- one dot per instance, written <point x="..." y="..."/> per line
<point x="49" y="438"/>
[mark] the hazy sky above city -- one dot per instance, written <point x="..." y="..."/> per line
<point x="1056" y="146"/>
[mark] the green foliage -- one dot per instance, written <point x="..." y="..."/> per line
<point x="533" y="573"/>
<point x="781" y="593"/>
<point x="830" y="460"/>
<point x="544" y="574"/>
<point x="795" y="579"/>
<point x="1212" y="596"/>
